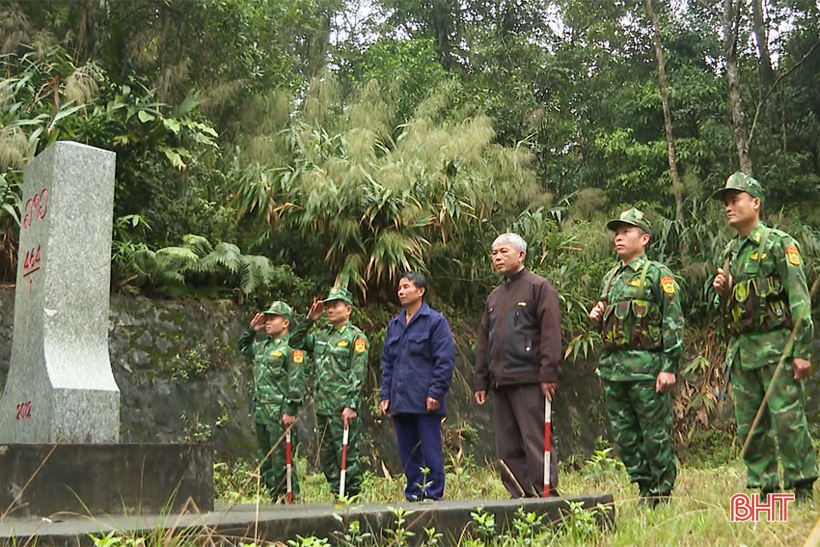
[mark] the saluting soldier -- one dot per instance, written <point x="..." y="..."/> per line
<point x="764" y="297"/>
<point x="641" y="322"/>
<point x="340" y="356"/>
<point x="279" y="385"/>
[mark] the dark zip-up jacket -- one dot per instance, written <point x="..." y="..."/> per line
<point x="519" y="340"/>
<point x="417" y="362"/>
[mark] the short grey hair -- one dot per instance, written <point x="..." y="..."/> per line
<point x="512" y="239"/>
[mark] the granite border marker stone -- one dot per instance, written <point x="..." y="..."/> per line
<point x="60" y="385"/>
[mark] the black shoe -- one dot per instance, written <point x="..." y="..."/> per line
<point x="803" y="493"/>
<point x="764" y="493"/>
<point x="655" y="501"/>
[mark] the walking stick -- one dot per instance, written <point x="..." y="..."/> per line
<point x="547" y="432"/>
<point x="344" y="462"/>
<point x="289" y="460"/>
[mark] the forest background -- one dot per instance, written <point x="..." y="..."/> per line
<point x="270" y="148"/>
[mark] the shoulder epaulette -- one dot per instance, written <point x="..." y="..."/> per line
<point x="781" y="234"/>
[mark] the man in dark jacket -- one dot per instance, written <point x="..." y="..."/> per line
<point x="417" y="361"/>
<point x="519" y="359"/>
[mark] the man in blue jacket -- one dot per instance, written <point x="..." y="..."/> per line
<point x="417" y="361"/>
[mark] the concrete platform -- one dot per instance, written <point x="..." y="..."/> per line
<point x="281" y="522"/>
<point x="40" y="479"/>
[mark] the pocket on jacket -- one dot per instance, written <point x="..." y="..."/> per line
<point x="520" y="353"/>
<point x="342" y="355"/>
<point x="418" y="343"/>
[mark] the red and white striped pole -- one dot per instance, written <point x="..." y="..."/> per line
<point x="547" y="433"/>
<point x="289" y="460"/>
<point x="344" y="462"/>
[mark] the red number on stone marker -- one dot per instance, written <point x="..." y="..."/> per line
<point x="32" y="260"/>
<point x="24" y="411"/>
<point x="35" y="209"/>
<point x="41" y="214"/>
<point x="27" y="217"/>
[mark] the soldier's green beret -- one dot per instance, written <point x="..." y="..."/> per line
<point x="280" y="308"/>
<point x="339" y="293"/>
<point x="744" y="183"/>
<point x="633" y="217"/>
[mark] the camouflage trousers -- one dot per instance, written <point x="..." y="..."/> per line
<point x="784" y="419"/>
<point x="642" y="423"/>
<point x="330" y="431"/>
<point x="270" y="437"/>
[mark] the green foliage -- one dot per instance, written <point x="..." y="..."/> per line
<point x="431" y="537"/>
<point x="9" y="223"/>
<point x="196" y="431"/>
<point x="310" y="541"/>
<point x="106" y="541"/>
<point x="526" y="528"/>
<point x="408" y="66"/>
<point x="711" y="448"/>
<point x="484" y="525"/>
<point x="579" y="524"/>
<point x="381" y="207"/>
<point x="222" y="269"/>
<point x="354" y="536"/>
<point x="195" y="361"/>
<point x="601" y="465"/>
<point x="399" y="535"/>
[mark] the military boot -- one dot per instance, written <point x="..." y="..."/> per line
<point x="765" y="491"/>
<point x="803" y="493"/>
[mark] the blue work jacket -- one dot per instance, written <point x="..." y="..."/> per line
<point x="417" y="362"/>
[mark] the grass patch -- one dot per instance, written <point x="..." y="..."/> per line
<point x="697" y="517"/>
<point x="709" y="448"/>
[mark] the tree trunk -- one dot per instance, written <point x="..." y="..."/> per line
<point x="765" y="70"/>
<point x="164" y="53"/>
<point x="667" y="114"/>
<point x="731" y="20"/>
<point x="782" y="122"/>
<point x="90" y="27"/>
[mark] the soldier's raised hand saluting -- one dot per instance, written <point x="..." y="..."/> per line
<point x="316" y="309"/>
<point x="258" y="322"/>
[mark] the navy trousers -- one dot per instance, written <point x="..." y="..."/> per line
<point x="419" y="438"/>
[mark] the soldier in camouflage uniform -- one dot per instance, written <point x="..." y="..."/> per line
<point x="340" y="355"/>
<point x="642" y="325"/>
<point x="279" y="384"/>
<point x="763" y="296"/>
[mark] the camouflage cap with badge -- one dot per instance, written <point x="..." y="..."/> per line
<point x="280" y="308"/>
<point x="632" y="217"/>
<point x="742" y="182"/>
<point x="339" y="293"/>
